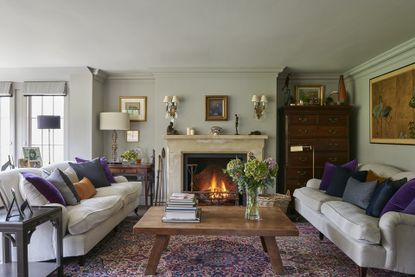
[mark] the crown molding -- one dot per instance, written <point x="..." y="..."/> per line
<point x="395" y="55"/>
<point x="131" y="76"/>
<point x="216" y="72"/>
<point x="311" y="76"/>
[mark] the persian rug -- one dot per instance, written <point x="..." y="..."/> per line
<point x="126" y="254"/>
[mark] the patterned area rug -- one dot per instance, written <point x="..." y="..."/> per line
<point x="126" y="254"/>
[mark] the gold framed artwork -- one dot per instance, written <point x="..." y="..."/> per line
<point x="216" y="108"/>
<point x="132" y="135"/>
<point x="135" y="106"/>
<point x="392" y="107"/>
<point x="309" y="95"/>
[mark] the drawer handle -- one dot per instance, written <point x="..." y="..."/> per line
<point x="302" y="159"/>
<point x="332" y="131"/>
<point x="333" y="144"/>
<point x="332" y="159"/>
<point x="305" y="131"/>
<point x="333" y="119"/>
<point x="302" y="173"/>
<point x="303" y="119"/>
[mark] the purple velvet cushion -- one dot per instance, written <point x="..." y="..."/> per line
<point x="104" y="163"/>
<point x="46" y="188"/>
<point x="411" y="208"/>
<point x="329" y="169"/>
<point x="401" y="199"/>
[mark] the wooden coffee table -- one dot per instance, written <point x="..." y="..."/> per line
<point x="218" y="221"/>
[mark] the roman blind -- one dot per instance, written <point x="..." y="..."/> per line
<point x="6" y="89"/>
<point x="45" y="89"/>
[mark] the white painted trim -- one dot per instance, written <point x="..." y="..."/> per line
<point x="311" y="76"/>
<point x="401" y="52"/>
<point x="131" y="76"/>
<point x="159" y="70"/>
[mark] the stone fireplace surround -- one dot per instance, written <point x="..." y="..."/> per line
<point x="177" y="145"/>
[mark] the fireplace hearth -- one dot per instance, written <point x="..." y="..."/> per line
<point x="204" y="176"/>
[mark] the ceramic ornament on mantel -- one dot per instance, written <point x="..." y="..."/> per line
<point x="342" y="91"/>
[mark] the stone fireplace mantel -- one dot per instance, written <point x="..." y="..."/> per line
<point x="177" y="145"/>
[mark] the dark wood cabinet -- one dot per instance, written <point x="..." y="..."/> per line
<point x="325" y="128"/>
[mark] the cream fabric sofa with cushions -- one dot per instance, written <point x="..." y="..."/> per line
<point x="387" y="242"/>
<point x="85" y="224"/>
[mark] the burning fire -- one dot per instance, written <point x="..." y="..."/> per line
<point x="217" y="191"/>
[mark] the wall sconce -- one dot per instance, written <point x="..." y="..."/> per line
<point x="259" y="105"/>
<point x="171" y="106"/>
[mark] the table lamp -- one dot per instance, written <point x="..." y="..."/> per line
<point x="48" y="122"/>
<point x="114" y="121"/>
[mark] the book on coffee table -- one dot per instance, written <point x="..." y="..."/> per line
<point x="182" y="216"/>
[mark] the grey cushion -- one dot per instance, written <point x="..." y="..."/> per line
<point x="359" y="193"/>
<point x="70" y="185"/>
<point x="93" y="171"/>
<point x="56" y="179"/>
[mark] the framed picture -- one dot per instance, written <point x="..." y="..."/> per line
<point x="216" y="108"/>
<point x="309" y="95"/>
<point x="392" y="107"/>
<point x="32" y="153"/>
<point x="132" y="135"/>
<point x="135" y="106"/>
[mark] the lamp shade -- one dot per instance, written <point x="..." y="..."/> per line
<point x="48" y="122"/>
<point x="264" y="99"/>
<point x="255" y="98"/>
<point x="167" y="99"/>
<point x="114" y="121"/>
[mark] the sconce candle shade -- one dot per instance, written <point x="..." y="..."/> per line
<point x="264" y="99"/>
<point x="175" y="99"/>
<point x="114" y="121"/>
<point x="255" y="98"/>
<point x="167" y="99"/>
<point x="48" y="122"/>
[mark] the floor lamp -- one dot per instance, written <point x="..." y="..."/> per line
<point x="114" y="121"/>
<point x="48" y="122"/>
<point x="301" y="148"/>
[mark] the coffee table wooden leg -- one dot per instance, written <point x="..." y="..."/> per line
<point x="263" y="244"/>
<point x="274" y="254"/>
<point x="160" y="244"/>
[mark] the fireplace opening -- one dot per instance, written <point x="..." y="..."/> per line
<point x="204" y="176"/>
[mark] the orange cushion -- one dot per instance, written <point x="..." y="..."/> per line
<point x="372" y="176"/>
<point x="85" y="188"/>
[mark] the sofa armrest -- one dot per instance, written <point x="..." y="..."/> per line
<point x="397" y="231"/>
<point x="120" y="179"/>
<point x="313" y="183"/>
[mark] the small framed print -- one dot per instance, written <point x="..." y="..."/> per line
<point x="309" y="95"/>
<point x="216" y="108"/>
<point x="31" y="153"/>
<point x="135" y="106"/>
<point x="132" y="135"/>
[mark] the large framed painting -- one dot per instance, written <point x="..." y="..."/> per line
<point x="216" y="108"/>
<point x="135" y="106"/>
<point x="392" y="107"/>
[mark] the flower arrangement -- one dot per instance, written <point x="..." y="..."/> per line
<point x="250" y="177"/>
<point x="131" y="155"/>
<point x="253" y="174"/>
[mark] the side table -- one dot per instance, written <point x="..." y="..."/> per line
<point x="19" y="231"/>
<point x="141" y="172"/>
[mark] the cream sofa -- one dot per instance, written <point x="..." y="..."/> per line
<point x="85" y="224"/>
<point x="387" y="242"/>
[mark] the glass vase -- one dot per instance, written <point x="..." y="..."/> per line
<point x="252" y="208"/>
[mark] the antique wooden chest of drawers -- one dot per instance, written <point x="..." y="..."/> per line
<point x="322" y="129"/>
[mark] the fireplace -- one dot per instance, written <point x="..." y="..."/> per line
<point x="203" y="175"/>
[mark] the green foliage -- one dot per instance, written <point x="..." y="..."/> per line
<point x="130" y="155"/>
<point x="253" y="174"/>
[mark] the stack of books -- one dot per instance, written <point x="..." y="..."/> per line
<point x="182" y="207"/>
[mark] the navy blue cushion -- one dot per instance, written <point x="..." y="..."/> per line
<point x="93" y="171"/>
<point x="383" y="192"/>
<point x="339" y="180"/>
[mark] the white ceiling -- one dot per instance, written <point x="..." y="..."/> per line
<point x="133" y="35"/>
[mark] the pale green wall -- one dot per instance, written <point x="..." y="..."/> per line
<point x="401" y="156"/>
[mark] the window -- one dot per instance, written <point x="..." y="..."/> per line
<point x="5" y="125"/>
<point x="47" y="105"/>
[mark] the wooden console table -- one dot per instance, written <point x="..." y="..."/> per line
<point x="19" y="231"/>
<point x="142" y="172"/>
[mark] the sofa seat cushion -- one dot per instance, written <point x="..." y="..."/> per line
<point x="90" y="212"/>
<point x="353" y="221"/>
<point x="128" y="191"/>
<point x="313" y="198"/>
